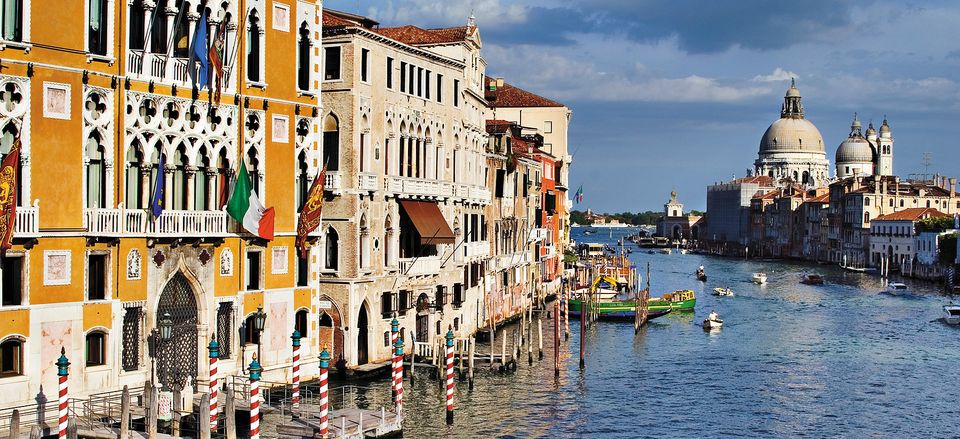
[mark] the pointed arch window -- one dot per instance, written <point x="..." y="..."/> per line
<point x="331" y="142"/>
<point x="364" y="243"/>
<point x="303" y="182"/>
<point x="11" y="358"/>
<point x="96" y="347"/>
<point x="133" y="192"/>
<point x="331" y="250"/>
<point x="223" y="178"/>
<point x="180" y="166"/>
<point x="96" y="173"/>
<point x="253" y="167"/>
<point x="158" y="28"/>
<point x="7" y="137"/>
<point x="201" y="181"/>
<point x="136" y="27"/>
<point x="303" y="58"/>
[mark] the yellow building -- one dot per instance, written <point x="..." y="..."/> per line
<point x="99" y="91"/>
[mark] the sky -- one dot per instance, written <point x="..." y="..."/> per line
<point x="676" y="94"/>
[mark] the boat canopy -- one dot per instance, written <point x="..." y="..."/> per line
<point x="604" y="282"/>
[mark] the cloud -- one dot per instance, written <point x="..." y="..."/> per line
<point x="778" y="75"/>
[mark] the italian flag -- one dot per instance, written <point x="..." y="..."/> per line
<point x="245" y="207"/>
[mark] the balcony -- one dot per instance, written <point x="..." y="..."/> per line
<point x="539" y="234"/>
<point x="417" y="187"/>
<point x="172" y="223"/>
<point x="473" y="250"/>
<point x="368" y="181"/>
<point x="333" y="182"/>
<point x="27" y="223"/>
<point x="166" y="69"/>
<point x="424" y="266"/>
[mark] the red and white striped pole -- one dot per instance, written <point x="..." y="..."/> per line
<point x="296" y="371"/>
<point x="395" y="377"/>
<point x="324" y="365"/>
<point x="214" y="348"/>
<point x="63" y="371"/>
<point x="450" y="376"/>
<point x="255" y="371"/>
<point x="398" y="359"/>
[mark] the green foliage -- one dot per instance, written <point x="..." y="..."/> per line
<point x="570" y="257"/>
<point x="579" y="217"/>
<point x="948" y="248"/>
<point x="935" y="224"/>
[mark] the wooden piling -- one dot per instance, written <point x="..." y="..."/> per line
<point x="530" y="330"/>
<point x="503" y="352"/>
<point x="472" y="349"/>
<point x="230" y="413"/>
<point x="493" y="330"/>
<point x="15" y="424"/>
<point x="205" y="416"/>
<point x="150" y="409"/>
<point x="177" y="408"/>
<point x="413" y="357"/>
<point x="35" y="432"/>
<point x="72" y="427"/>
<point x="540" y="339"/>
<point x="583" y="325"/>
<point x="556" y="338"/>
<point x="125" y="413"/>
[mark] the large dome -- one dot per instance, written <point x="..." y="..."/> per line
<point x="792" y="135"/>
<point x="855" y="150"/>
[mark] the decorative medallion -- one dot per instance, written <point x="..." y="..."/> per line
<point x="204" y="257"/>
<point x="158" y="258"/>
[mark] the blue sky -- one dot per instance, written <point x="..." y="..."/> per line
<point x="675" y="94"/>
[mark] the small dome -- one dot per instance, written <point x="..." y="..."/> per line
<point x="870" y="131"/>
<point x="884" y="127"/>
<point x="855" y="150"/>
<point x="788" y="134"/>
<point x="793" y="91"/>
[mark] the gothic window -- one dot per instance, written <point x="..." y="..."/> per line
<point x="250" y="334"/>
<point x="180" y="166"/>
<point x="331" y="250"/>
<point x="364" y="243"/>
<point x="96" y="172"/>
<point x="303" y="270"/>
<point x="96" y="347"/>
<point x="97" y="27"/>
<point x="7" y="136"/>
<point x="303" y="58"/>
<point x="388" y="245"/>
<point x="302" y="183"/>
<point x="253" y="47"/>
<point x="134" y="181"/>
<point x="300" y="322"/>
<point x="132" y="318"/>
<point x="201" y="181"/>
<point x="181" y="38"/>
<point x="12" y="20"/>
<point x="158" y="28"/>
<point x="253" y="167"/>
<point x="331" y="142"/>
<point x="137" y="29"/>
<point x="223" y="179"/>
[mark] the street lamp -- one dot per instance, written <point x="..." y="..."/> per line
<point x="259" y="319"/>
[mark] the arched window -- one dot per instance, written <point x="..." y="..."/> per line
<point x="158" y="28"/>
<point x="223" y="178"/>
<point x="388" y="246"/>
<point x="331" y="142"/>
<point x="96" y="173"/>
<point x="303" y="182"/>
<point x="253" y="47"/>
<point x="181" y="39"/>
<point x="133" y="194"/>
<point x="331" y="250"/>
<point x="180" y="166"/>
<point x="303" y="58"/>
<point x="7" y="136"/>
<point x="11" y="358"/>
<point x="96" y="346"/>
<point x="300" y="322"/>
<point x="250" y="333"/>
<point x="325" y="321"/>
<point x="364" y="243"/>
<point x="201" y="181"/>
<point x="806" y="177"/>
<point x="253" y="167"/>
<point x="866" y="217"/>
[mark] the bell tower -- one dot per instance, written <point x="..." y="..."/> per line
<point x="884" y="165"/>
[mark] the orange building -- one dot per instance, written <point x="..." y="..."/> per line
<point x="100" y="94"/>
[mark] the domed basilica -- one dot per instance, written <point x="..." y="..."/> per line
<point x="792" y="149"/>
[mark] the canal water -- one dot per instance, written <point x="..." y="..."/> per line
<point x="837" y="360"/>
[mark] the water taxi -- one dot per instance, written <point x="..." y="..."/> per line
<point x="759" y="278"/>
<point x="896" y="289"/>
<point x="951" y="314"/>
<point x="718" y="291"/>
<point x="812" y="279"/>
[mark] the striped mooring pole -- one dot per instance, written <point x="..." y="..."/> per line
<point x="63" y="371"/>
<point x="395" y="376"/>
<point x="324" y="365"/>
<point x="398" y="370"/>
<point x="295" y="403"/>
<point x="450" y="376"/>
<point x="255" y="371"/>
<point x="214" y="349"/>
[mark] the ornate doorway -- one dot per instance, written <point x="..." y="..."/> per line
<point x="177" y="357"/>
<point x="362" y="355"/>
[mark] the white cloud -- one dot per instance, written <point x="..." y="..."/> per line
<point x="778" y="74"/>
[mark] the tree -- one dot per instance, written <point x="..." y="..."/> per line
<point x="935" y="224"/>
<point x="948" y="249"/>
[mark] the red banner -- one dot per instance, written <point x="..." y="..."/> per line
<point x="8" y="195"/>
<point x="310" y="214"/>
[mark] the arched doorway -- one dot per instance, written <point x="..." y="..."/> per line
<point x="362" y="323"/>
<point x="423" y="318"/>
<point x="177" y="358"/>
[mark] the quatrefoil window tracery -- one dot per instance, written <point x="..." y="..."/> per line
<point x="10" y="98"/>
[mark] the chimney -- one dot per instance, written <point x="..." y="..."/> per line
<point x="500" y="82"/>
<point x="953" y="187"/>
<point x="896" y="182"/>
<point x="876" y="184"/>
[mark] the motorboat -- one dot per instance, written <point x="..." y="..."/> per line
<point x="812" y="279"/>
<point x="684" y="251"/>
<point x="719" y="291"/>
<point x="951" y="314"/>
<point x="701" y="275"/>
<point x="759" y="278"/>
<point x="666" y="251"/>
<point x="895" y="289"/>
<point x="712" y="322"/>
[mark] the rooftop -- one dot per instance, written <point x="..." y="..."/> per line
<point x="508" y="96"/>
<point x="415" y="36"/>
<point x="912" y="214"/>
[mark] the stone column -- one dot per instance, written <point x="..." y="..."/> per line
<point x="168" y="186"/>
<point x="189" y="175"/>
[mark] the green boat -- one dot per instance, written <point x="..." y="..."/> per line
<point x="684" y="300"/>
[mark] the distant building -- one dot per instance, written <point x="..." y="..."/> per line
<point x="728" y="208"/>
<point x="893" y="238"/>
<point x="675" y="224"/>
<point x="865" y="155"/>
<point x="792" y="148"/>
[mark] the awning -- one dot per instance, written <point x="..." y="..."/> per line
<point x="428" y="220"/>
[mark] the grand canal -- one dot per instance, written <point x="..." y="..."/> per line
<point x="820" y="361"/>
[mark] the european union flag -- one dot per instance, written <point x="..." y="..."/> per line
<point x="159" y="191"/>
<point x="199" y="53"/>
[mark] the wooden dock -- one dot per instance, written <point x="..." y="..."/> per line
<point x="345" y="423"/>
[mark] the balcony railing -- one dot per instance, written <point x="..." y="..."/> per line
<point x="27" y="223"/>
<point x="368" y="181"/>
<point x="171" y="223"/>
<point x="420" y="266"/>
<point x="163" y="68"/>
<point x="479" y="249"/>
<point x="333" y="181"/>
<point x="423" y="187"/>
<point x="538" y="234"/>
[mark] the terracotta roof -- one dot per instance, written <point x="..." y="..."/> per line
<point x="510" y="96"/>
<point x="762" y="180"/>
<point x="825" y="198"/>
<point x="911" y="214"/>
<point x="333" y="18"/>
<point x="416" y="36"/>
<point x="498" y="126"/>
